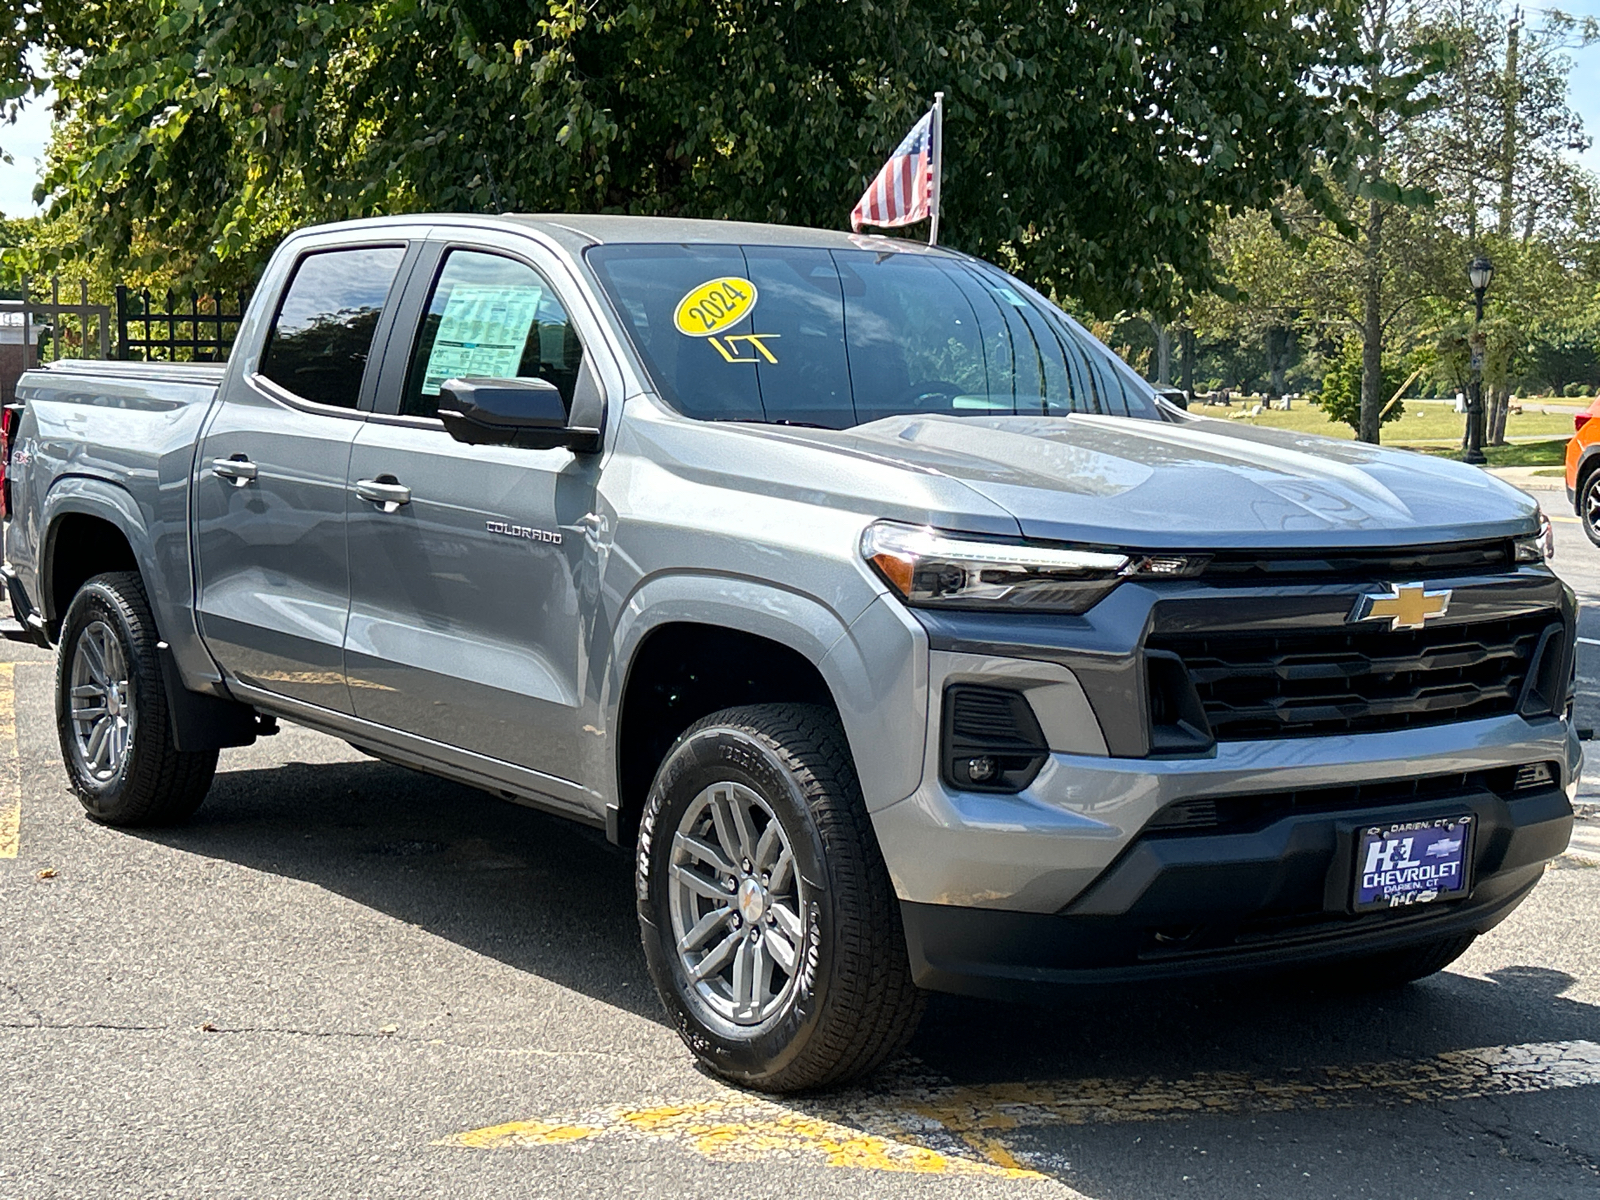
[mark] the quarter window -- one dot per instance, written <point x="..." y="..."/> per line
<point x="318" y="345"/>
<point x="490" y="317"/>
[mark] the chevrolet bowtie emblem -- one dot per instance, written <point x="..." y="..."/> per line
<point x="1407" y="606"/>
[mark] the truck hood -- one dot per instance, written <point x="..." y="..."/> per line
<point x="1200" y="483"/>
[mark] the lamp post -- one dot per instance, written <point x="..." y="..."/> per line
<point x="1479" y="272"/>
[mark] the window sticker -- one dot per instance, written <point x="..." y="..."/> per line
<point x="730" y="347"/>
<point x="714" y="306"/>
<point x="482" y="333"/>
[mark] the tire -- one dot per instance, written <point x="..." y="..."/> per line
<point x="1392" y="968"/>
<point x="846" y="1004"/>
<point x="132" y="775"/>
<point x="1589" y="504"/>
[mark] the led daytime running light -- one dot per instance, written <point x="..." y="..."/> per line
<point x="933" y="569"/>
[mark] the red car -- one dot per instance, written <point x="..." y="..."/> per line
<point x="8" y="422"/>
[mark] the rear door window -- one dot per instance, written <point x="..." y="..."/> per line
<point x="321" y="338"/>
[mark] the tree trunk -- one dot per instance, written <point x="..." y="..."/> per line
<point x="1498" y="414"/>
<point x="1186" y="342"/>
<point x="1508" y="133"/>
<point x="1278" y="342"/>
<point x="1372" y="397"/>
<point x="1163" y="353"/>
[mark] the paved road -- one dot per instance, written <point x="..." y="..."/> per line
<point x="344" y="979"/>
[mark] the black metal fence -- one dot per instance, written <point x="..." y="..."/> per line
<point x="51" y="330"/>
<point x="152" y="328"/>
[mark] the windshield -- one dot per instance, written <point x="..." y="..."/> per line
<point x="839" y="337"/>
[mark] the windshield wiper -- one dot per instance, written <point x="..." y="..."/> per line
<point x="764" y="421"/>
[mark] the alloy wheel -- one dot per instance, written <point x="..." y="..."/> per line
<point x="101" y="702"/>
<point x="736" y="901"/>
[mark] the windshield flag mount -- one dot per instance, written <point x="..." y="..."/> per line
<point x="907" y="189"/>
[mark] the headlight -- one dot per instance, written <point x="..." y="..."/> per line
<point x="1537" y="547"/>
<point x="948" y="570"/>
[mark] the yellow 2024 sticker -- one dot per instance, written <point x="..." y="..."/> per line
<point x="715" y="305"/>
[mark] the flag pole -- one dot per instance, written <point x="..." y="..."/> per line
<point x="938" y="168"/>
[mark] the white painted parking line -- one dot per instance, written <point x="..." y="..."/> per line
<point x="1589" y="641"/>
<point x="1585" y="844"/>
<point x="10" y="766"/>
<point x="973" y="1130"/>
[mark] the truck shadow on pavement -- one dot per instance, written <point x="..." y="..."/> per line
<point x="1160" y="1073"/>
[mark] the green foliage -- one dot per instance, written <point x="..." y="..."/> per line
<point x="1341" y="387"/>
<point x="1091" y="146"/>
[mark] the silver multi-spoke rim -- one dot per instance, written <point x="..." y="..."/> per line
<point x="1591" y="505"/>
<point x="736" y="904"/>
<point x="101" y="701"/>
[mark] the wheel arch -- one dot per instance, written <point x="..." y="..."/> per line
<point x="1588" y="464"/>
<point x="90" y="527"/>
<point x="762" y="643"/>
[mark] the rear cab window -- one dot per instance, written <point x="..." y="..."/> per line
<point x="321" y="337"/>
<point x="837" y="338"/>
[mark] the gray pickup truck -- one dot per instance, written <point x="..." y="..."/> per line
<point x="906" y="637"/>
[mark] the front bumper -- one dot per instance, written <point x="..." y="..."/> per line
<point x="1196" y="904"/>
<point x="1082" y="875"/>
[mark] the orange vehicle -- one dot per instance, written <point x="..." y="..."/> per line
<point x="1583" y="469"/>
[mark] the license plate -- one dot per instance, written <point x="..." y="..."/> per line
<point x="1412" y="862"/>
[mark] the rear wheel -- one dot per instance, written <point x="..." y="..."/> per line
<point x="1589" y="504"/>
<point x="111" y="711"/>
<point x="1391" y="968"/>
<point x="769" y="924"/>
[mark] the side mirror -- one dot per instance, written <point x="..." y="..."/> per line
<point x="511" y="412"/>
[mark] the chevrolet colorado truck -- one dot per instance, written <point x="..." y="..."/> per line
<point x="907" y="639"/>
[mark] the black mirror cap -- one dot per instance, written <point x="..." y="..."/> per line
<point x="528" y="413"/>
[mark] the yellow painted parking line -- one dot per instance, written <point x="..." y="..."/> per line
<point x="10" y="766"/>
<point x="948" y="1130"/>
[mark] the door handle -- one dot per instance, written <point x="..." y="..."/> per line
<point x="386" y="492"/>
<point x="237" y="470"/>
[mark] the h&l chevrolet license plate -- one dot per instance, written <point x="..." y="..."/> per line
<point x="1412" y="862"/>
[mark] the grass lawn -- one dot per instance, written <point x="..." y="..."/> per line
<point x="1550" y="453"/>
<point x="1421" y="423"/>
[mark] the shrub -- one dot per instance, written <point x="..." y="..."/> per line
<point x="1575" y="390"/>
<point x="1341" y="387"/>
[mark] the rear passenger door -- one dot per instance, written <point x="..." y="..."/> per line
<point x="269" y="492"/>
<point x="472" y="591"/>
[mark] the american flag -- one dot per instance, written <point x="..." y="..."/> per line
<point x="903" y="192"/>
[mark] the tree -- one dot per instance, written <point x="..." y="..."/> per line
<point x="1092" y="147"/>
<point x="1386" y="263"/>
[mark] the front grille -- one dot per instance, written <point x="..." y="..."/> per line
<point x="1416" y="562"/>
<point x="1234" y="814"/>
<point x="1331" y="681"/>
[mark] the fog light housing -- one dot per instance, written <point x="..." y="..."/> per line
<point x="980" y="769"/>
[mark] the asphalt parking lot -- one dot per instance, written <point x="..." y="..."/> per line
<point x="346" y="979"/>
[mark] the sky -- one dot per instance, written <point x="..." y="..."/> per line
<point x="25" y="141"/>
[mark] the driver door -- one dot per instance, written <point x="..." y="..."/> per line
<point x="470" y="583"/>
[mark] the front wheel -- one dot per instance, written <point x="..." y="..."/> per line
<point x="769" y="924"/>
<point x="111" y="711"/>
<point x="1589" y="505"/>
